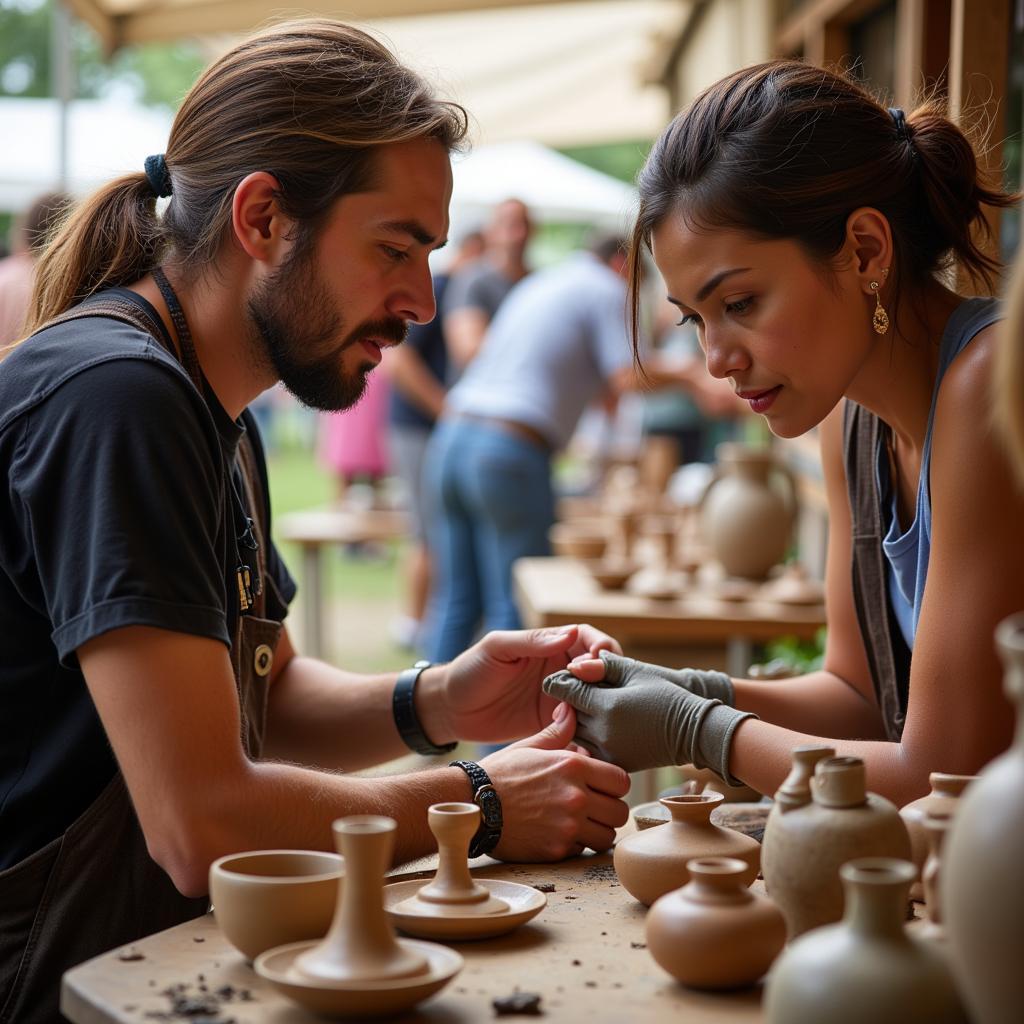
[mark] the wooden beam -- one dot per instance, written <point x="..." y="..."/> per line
<point x="978" y="83"/>
<point x="810" y="19"/>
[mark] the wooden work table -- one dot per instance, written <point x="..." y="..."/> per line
<point x="695" y="625"/>
<point x="584" y="954"/>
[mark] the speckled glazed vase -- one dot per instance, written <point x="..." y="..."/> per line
<point x="653" y="862"/>
<point x="714" y="932"/>
<point x="945" y="791"/>
<point x="983" y="867"/>
<point x="808" y="844"/>
<point x="867" y="969"/>
<point x="745" y="517"/>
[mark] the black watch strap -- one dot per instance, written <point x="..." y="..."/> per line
<point x="404" y="709"/>
<point x="486" y="798"/>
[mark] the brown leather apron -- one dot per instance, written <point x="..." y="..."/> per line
<point x="887" y="652"/>
<point x="96" y="887"/>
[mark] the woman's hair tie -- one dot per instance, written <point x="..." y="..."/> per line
<point x="159" y="176"/>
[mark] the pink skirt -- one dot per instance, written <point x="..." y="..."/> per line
<point x="355" y="442"/>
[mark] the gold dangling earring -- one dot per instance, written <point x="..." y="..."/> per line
<point x="880" y="320"/>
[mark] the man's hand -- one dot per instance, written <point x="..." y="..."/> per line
<point x="492" y="692"/>
<point x="556" y="802"/>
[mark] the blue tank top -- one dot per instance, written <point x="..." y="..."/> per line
<point x="907" y="553"/>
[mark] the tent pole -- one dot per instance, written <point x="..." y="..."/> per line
<point x="61" y="78"/>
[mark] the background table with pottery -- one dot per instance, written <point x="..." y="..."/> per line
<point x="695" y="629"/>
<point x="317" y="529"/>
<point x="584" y="955"/>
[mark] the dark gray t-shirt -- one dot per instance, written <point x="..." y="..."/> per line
<point x="479" y="286"/>
<point x="117" y="512"/>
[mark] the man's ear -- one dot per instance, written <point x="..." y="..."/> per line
<point x="258" y="224"/>
<point x="869" y="243"/>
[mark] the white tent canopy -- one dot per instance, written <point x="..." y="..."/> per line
<point x="107" y="139"/>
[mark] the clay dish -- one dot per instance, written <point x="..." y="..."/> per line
<point x="734" y="591"/>
<point x="267" y="898"/>
<point x="650" y="814"/>
<point x="358" y="999"/>
<point x="609" y="574"/>
<point x="581" y="538"/>
<point x="794" y="587"/>
<point x="524" y="903"/>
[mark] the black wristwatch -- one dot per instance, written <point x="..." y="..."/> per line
<point x="404" y="709"/>
<point x="485" y="796"/>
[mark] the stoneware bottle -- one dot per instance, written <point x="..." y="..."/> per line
<point x="945" y="791"/>
<point x="866" y="968"/>
<point x="808" y="844"/>
<point x="983" y="867"/>
<point x="794" y="792"/>
<point x="715" y="933"/>
<point x="745" y="517"/>
<point x="653" y="862"/>
<point x="361" y="944"/>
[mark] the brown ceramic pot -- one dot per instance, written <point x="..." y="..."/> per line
<point x="866" y="968"/>
<point x="808" y="844"/>
<point x="746" y="518"/>
<point x="714" y="932"/>
<point x="945" y="791"/>
<point x="982" y="888"/>
<point x="653" y="862"/>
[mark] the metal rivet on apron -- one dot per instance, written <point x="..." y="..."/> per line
<point x="262" y="660"/>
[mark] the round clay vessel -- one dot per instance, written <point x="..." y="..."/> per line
<point x="610" y="573"/>
<point x="807" y="845"/>
<point x="579" y="538"/>
<point x="945" y="791"/>
<point x="746" y="518"/>
<point x="937" y="825"/>
<point x="267" y="898"/>
<point x="867" y="969"/>
<point x="982" y="888"/>
<point x="653" y="862"/>
<point x="714" y="932"/>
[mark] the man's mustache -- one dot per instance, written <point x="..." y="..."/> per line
<point x="392" y="329"/>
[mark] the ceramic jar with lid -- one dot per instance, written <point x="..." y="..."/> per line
<point x="653" y="862"/>
<point x="808" y="844"/>
<point x="714" y="932"/>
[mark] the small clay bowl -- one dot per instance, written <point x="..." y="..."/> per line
<point x="650" y="814"/>
<point x="578" y="539"/>
<point x="610" y="575"/>
<point x="524" y="902"/>
<point x="358" y="999"/>
<point x="267" y="898"/>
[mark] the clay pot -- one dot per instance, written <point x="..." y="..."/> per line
<point x="867" y="968"/>
<point x="945" y="791"/>
<point x="746" y="516"/>
<point x="805" y="846"/>
<point x="269" y="897"/>
<point x="936" y="825"/>
<point x="714" y="932"/>
<point x="579" y="538"/>
<point x="610" y="573"/>
<point x="982" y="889"/>
<point x="653" y="862"/>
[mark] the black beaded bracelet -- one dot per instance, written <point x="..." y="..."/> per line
<point x="485" y="796"/>
<point x="404" y="709"/>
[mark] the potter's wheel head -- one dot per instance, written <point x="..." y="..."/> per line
<point x="347" y="999"/>
<point x="433" y="921"/>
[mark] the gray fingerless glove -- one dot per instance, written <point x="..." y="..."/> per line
<point x="649" y="722"/>
<point x="716" y="685"/>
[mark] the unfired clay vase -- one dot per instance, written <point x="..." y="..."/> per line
<point x="453" y="904"/>
<point x="866" y="970"/>
<point x="982" y="883"/>
<point x="945" y="791"/>
<point x="805" y="846"/>
<point x="653" y="862"/>
<point x="746" y="518"/>
<point x="714" y="932"/>
<point x="360" y="968"/>
<point x="269" y="897"/>
<point x="936" y="825"/>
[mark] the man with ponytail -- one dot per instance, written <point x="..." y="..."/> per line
<point x="155" y="713"/>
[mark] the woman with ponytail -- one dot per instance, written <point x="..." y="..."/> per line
<point x="155" y="715"/>
<point x="819" y="241"/>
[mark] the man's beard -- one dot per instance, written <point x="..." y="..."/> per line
<point x="293" y="319"/>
